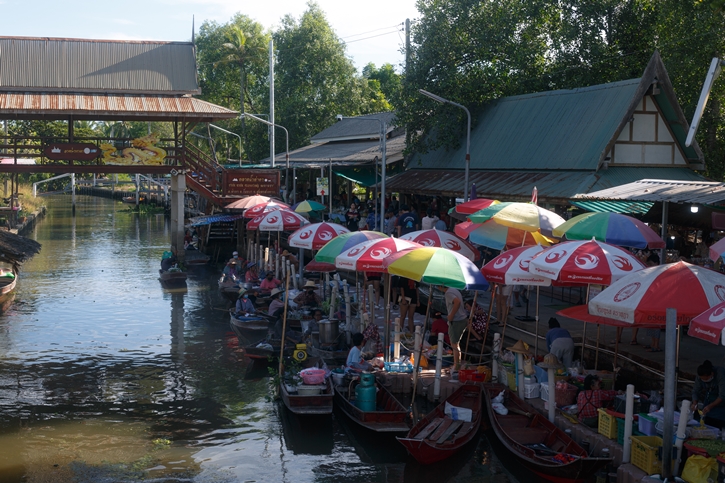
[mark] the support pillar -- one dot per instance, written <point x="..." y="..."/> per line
<point x="178" y="188"/>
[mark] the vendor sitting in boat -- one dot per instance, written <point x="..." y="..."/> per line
<point x="276" y="302"/>
<point x="286" y="255"/>
<point x="308" y="297"/>
<point x="231" y="272"/>
<point x="168" y="260"/>
<point x="244" y="305"/>
<point x="355" y="361"/>
<point x="592" y="398"/>
<point x="252" y="275"/>
<point x="269" y="283"/>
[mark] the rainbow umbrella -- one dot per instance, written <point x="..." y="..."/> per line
<point x="437" y="266"/>
<point x="492" y="235"/>
<point x="473" y="206"/>
<point x="369" y="256"/>
<point x="344" y="242"/>
<point x="307" y="206"/>
<point x="614" y="228"/>
<point x="524" y="216"/>
<point x="439" y="238"/>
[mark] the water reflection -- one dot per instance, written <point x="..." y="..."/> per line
<point x="105" y="377"/>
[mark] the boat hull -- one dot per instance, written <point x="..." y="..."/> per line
<point x="172" y="280"/>
<point x="391" y="418"/>
<point x="437" y="437"/>
<point x="7" y="284"/>
<point x="524" y="427"/>
<point x="319" y="404"/>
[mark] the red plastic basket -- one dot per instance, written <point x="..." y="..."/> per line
<point x="313" y="376"/>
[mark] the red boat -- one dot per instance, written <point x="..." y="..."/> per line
<point x="537" y="443"/>
<point x="389" y="416"/>
<point x="438" y="436"/>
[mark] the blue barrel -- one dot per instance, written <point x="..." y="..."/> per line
<point x="365" y="393"/>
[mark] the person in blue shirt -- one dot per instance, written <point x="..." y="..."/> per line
<point x="355" y="361"/>
<point x="559" y="342"/>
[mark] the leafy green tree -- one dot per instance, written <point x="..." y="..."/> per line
<point x="388" y="81"/>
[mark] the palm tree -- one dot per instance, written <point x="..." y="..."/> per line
<point x="241" y="52"/>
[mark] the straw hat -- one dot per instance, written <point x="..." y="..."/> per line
<point x="275" y="292"/>
<point x="551" y="362"/>
<point x="285" y="253"/>
<point x="520" y="347"/>
<point x="310" y="284"/>
<point x="232" y="262"/>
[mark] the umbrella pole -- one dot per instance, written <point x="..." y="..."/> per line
<point x="596" y="353"/>
<point x="490" y="308"/>
<point x="584" y="331"/>
<point x="386" y="301"/>
<point x="470" y="320"/>
<point x="677" y="358"/>
<point x="505" y="323"/>
<point x="616" y="353"/>
<point x="536" y="317"/>
<point x="284" y="329"/>
<point x="420" y="347"/>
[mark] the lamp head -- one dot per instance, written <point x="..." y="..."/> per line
<point x="339" y="117"/>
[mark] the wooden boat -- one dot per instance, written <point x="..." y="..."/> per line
<point x="248" y="326"/>
<point x="389" y="417"/>
<point x="172" y="279"/>
<point x="132" y="199"/>
<point x="437" y="436"/>
<point x="8" y="279"/>
<point x="535" y="441"/>
<point x="261" y="349"/>
<point x="331" y="357"/>
<point x="308" y="405"/>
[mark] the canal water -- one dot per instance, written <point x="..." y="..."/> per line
<point x="105" y="377"/>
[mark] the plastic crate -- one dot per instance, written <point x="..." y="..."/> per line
<point x="474" y="376"/>
<point x="544" y="391"/>
<point x="532" y="391"/>
<point x="645" y="453"/>
<point x="399" y="367"/>
<point x="566" y="397"/>
<point x="607" y="424"/>
<point x="620" y="431"/>
<point x="647" y="425"/>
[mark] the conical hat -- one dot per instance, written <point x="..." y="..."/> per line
<point x="520" y="347"/>
<point x="551" y="362"/>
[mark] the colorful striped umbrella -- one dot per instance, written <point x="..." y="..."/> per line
<point x="585" y="262"/>
<point x="512" y="268"/>
<point x="472" y="206"/>
<point x="614" y="228"/>
<point x="524" y="216"/>
<point x="344" y="242"/>
<point x="247" y="202"/>
<point x="643" y="297"/>
<point x="307" y="206"/>
<point x="264" y="208"/>
<point x="437" y="266"/>
<point x="369" y="256"/>
<point x="438" y="238"/>
<point x="499" y="237"/>
<point x="281" y="220"/>
<point x="315" y="236"/>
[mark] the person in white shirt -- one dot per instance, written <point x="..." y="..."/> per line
<point x="429" y="221"/>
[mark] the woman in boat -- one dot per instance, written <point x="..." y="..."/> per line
<point x="252" y="275"/>
<point x="355" y="361"/>
<point x="276" y="302"/>
<point x="244" y="305"/>
<point x="269" y="283"/>
<point x="590" y="399"/>
<point x="308" y="297"/>
<point x="708" y="395"/>
<point x="231" y="272"/>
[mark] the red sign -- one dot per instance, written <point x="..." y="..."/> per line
<point x="250" y="182"/>
<point x="72" y="151"/>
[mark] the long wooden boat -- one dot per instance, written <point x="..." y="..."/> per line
<point x="249" y="329"/>
<point x="438" y="436"/>
<point x="261" y="350"/>
<point x="537" y="443"/>
<point x="389" y="417"/>
<point x="172" y="280"/>
<point x="8" y="279"/>
<point x="308" y="405"/>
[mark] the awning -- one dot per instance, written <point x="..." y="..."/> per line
<point x="364" y="176"/>
<point x="208" y="220"/>
<point x="635" y="207"/>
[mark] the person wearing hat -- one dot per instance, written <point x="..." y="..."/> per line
<point x="269" y="283"/>
<point x="559" y="342"/>
<point x="292" y="259"/>
<point x="307" y="297"/>
<point x="252" y="275"/>
<point x="276" y="302"/>
<point x="592" y="398"/>
<point x="231" y="272"/>
<point x="457" y="322"/>
<point x="244" y="305"/>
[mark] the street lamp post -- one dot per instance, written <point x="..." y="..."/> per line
<point x="384" y="141"/>
<point x="468" y="136"/>
<point x="286" y="156"/>
<point x="233" y="134"/>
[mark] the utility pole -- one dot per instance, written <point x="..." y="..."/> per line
<point x="271" y="101"/>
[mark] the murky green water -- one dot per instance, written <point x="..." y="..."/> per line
<point x="104" y="377"/>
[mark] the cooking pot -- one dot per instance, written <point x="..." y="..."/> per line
<point x="329" y="330"/>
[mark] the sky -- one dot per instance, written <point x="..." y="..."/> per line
<point x="373" y="30"/>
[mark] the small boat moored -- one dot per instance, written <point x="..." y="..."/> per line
<point x="306" y="399"/>
<point x="446" y="429"/>
<point x="371" y="405"/>
<point x="172" y="279"/>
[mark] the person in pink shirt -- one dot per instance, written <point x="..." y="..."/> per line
<point x="269" y="283"/>
<point x="252" y="275"/>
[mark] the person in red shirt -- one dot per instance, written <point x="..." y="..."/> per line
<point x="592" y="398"/>
<point x="439" y="325"/>
<point x="269" y="283"/>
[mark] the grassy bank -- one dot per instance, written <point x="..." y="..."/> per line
<point x="28" y="203"/>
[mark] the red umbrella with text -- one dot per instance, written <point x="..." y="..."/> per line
<point x="709" y="325"/>
<point x="264" y="208"/>
<point x="281" y="220"/>
<point x="445" y="239"/>
<point x="247" y="202"/>
<point x="316" y="236"/>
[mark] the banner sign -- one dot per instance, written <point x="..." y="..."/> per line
<point x="249" y="182"/>
<point x="72" y="151"/>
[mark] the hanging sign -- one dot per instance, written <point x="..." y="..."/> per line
<point x="323" y="186"/>
<point x="72" y="151"/>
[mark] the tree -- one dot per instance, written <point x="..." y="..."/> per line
<point x="388" y="81"/>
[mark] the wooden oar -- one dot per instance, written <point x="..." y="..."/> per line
<point x="521" y="412"/>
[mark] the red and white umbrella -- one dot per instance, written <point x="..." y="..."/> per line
<point x="643" y="297"/>
<point x="264" y="208"/>
<point x="315" y="236"/>
<point x="585" y="262"/>
<point x="709" y="325"/>
<point x="512" y="268"/>
<point x="369" y="256"/>
<point x="444" y="239"/>
<point x="282" y="220"/>
<point x="247" y="202"/>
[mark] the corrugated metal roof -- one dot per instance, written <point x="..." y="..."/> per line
<point x="43" y="105"/>
<point x="349" y="153"/>
<point x="636" y="207"/>
<point x="696" y="192"/>
<point x="553" y="186"/>
<point x="78" y="65"/>
<point x="360" y="127"/>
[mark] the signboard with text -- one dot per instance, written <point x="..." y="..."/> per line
<point x="249" y="182"/>
<point x="72" y="151"/>
<point x="323" y="186"/>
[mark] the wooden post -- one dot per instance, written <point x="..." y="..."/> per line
<point x="284" y="329"/>
<point x="291" y="271"/>
<point x="276" y="265"/>
<point x="348" y="312"/>
<point x="470" y="325"/>
<point x="396" y="347"/>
